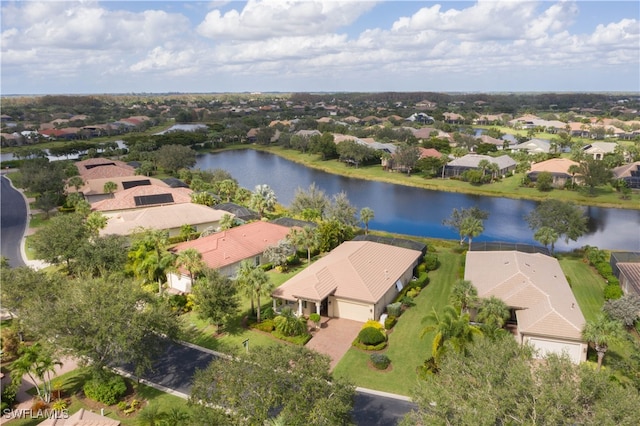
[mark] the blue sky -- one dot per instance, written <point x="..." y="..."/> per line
<point x="286" y="45"/>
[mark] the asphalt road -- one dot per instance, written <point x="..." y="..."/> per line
<point x="13" y="220"/>
<point x="178" y="364"/>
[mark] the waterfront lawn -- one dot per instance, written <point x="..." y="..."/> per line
<point x="586" y="283"/>
<point x="71" y="384"/>
<point x="407" y="350"/>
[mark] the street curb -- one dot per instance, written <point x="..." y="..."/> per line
<point x="384" y="394"/>
<point x="151" y="384"/>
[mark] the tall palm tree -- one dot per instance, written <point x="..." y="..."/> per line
<point x="366" y="216"/>
<point x="600" y="332"/>
<point x="149" y="256"/>
<point x="545" y="236"/>
<point x="37" y="362"/>
<point x="306" y="237"/>
<point x="471" y="227"/>
<point x="262" y="286"/>
<point x="191" y="260"/>
<point x="243" y="280"/>
<point x="463" y="294"/>
<point x="263" y="199"/>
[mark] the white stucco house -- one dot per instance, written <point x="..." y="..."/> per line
<point x="356" y="281"/>
<point x="542" y="305"/>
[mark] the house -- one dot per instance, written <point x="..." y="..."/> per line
<point x="471" y="161"/>
<point x="170" y="218"/>
<point x="453" y="118"/>
<point x="99" y="168"/>
<point x="626" y="267"/>
<point x="81" y="417"/>
<point x="534" y="146"/>
<point x="630" y="173"/>
<point x="356" y="281"/>
<point x="142" y="197"/>
<point x="558" y="167"/>
<point x="599" y="149"/>
<point x="241" y="213"/>
<point x="225" y="250"/>
<point x="93" y="189"/>
<point x="543" y="309"/>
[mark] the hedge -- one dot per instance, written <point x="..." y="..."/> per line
<point x="389" y="322"/>
<point x="296" y="340"/>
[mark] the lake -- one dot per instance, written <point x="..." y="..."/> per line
<point x="414" y="211"/>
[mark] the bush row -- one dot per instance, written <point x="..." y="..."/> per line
<point x="106" y="390"/>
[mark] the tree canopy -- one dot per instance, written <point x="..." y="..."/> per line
<point x="290" y="383"/>
<point x="564" y="218"/>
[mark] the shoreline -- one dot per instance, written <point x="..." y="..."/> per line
<point x="352" y="173"/>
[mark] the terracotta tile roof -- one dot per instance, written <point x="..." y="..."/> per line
<point x="429" y="152"/>
<point x="100" y="168"/>
<point x="125" y="199"/>
<point x="356" y="270"/>
<point x="160" y="217"/>
<point x="533" y="282"/>
<point x="554" y="165"/>
<point x="81" y="417"/>
<point x="236" y="244"/>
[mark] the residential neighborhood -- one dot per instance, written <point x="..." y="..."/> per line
<point x="188" y="254"/>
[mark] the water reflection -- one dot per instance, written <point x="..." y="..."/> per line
<point x="415" y="211"/>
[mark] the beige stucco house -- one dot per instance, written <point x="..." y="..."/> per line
<point x="559" y="169"/>
<point x="356" y="281"/>
<point x="93" y="189"/>
<point x="226" y="249"/>
<point x="543" y="307"/>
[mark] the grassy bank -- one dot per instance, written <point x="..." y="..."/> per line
<point x="509" y="187"/>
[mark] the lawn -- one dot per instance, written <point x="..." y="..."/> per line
<point x="407" y="350"/>
<point x="586" y="283"/>
<point x="71" y="385"/>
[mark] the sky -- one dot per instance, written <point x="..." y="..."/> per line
<point x="94" y="47"/>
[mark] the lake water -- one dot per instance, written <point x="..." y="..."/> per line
<point x="414" y="211"/>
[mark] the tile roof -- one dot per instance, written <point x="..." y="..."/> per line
<point x="625" y="170"/>
<point x="533" y="283"/>
<point x="236" y="244"/>
<point x="160" y="217"/>
<point x="554" y="165"/>
<point x="631" y="270"/>
<point x="356" y="270"/>
<point x="472" y="160"/>
<point x="96" y="186"/>
<point x="99" y="168"/>
<point x="81" y="417"/>
<point x="123" y="200"/>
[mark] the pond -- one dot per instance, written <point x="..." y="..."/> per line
<point x="414" y="211"/>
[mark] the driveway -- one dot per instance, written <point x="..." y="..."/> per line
<point x="334" y="338"/>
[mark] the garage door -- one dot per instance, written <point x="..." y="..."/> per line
<point x="544" y="347"/>
<point x="351" y="310"/>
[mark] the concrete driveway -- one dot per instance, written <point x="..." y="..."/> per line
<point x="334" y="338"/>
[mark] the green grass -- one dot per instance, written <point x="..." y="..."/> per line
<point x="406" y="349"/>
<point x="586" y="283"/>
<point x="71" y="385"/>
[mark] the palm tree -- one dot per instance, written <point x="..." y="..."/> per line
<point x="37" y="362"/>
<point x="493" y="313"/>
<point x="263" y="199"/>
<point x="471" y="227"/>
<point x="243" y="280"/>
<point x="191" y="260"/>
<point x="306" y="237"/>
<point x="149" y="256"/>
<point x="262" y="286"/>
<point x="366" y="216"/>
<point x="464" y="295"/>
<point x="545" y="236"/>
<point x="150" y="416"/>
<point x="110" y="187"/>
<point x="77" y="182"/>
<point x="227" y="221"/>
<point x="452" y="328"/>
<point x="600" y="333"/>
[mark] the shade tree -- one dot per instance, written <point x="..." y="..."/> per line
<point x="215" y="297"/>
<point x="465" y="222"/>
<point x="564" y="218"/>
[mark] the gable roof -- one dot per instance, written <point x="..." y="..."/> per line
<point x="143" y="196"/>
<point x="532" y="283"/>
<point x="236" y="244"/>
<point x="356" y="270"/>
<point x="160" y="217"/>
<point x="626" y="170"/>
<point x="534" y="145"/>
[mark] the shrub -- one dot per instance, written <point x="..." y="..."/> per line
<point x="267" y="266"/>
<point x="380" y="361"/>
<point x="266" y="326"/>
<point x="178" y="303"/>
<point x="293" y="260"/>
<point x="315" y="318"/>
<point x="371" y="336"/>
<point x="394" y="309"/>
<point x="59" y="405"/>
<point x="374" y="324"/>
<point x="407" y="301"/>
<point x="421" y="268"/>
<point x="288" y="324"/>
<point x="107" y="390"/>
<point x="431" y="261"/>
<point x="414" y="292"/>
<point x="300" y="340"/>
<point x="267" y="313"/>
<point x="390" y="321"/>
<point x="612" y="291"/>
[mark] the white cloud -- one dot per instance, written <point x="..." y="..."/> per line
<point x="276" y="18"/>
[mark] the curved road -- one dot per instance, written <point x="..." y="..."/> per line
<point x="13" y="222"/>
<point x="177" y="365"/>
